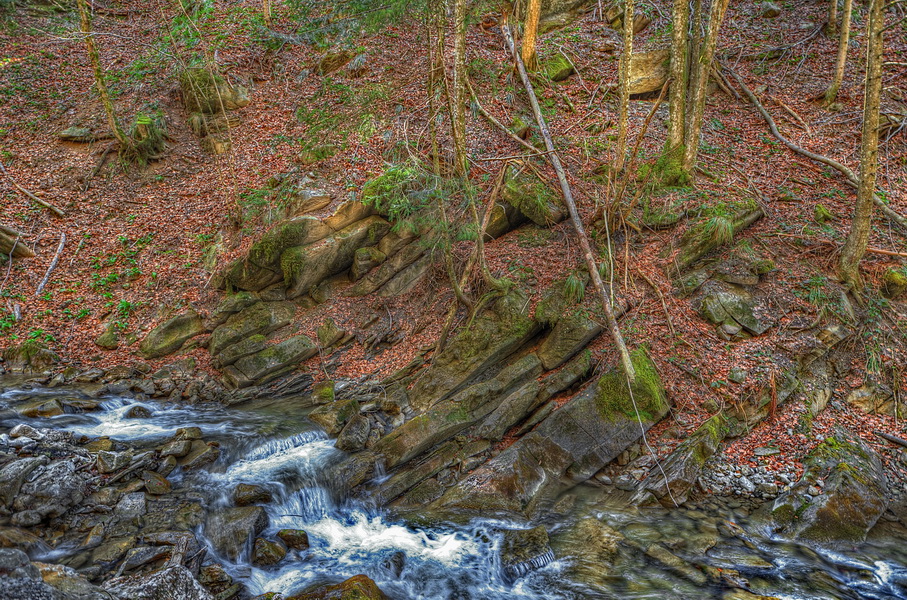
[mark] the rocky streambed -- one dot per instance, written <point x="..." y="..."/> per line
<point x="113" y="497"/>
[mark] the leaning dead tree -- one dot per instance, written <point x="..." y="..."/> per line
<point x="603" y="291"/>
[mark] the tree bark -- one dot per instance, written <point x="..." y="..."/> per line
<point x="832" y="26"/>
<point x="857" y="239"/>
<point x="624" y="76"/>
<point x="843" y="43"/>
<point x="703" y="67"/>
<point x="85" y="24"/>
<point x="677" y="99"/>
<point x="530" y="33"/>
<point x="458" y="93"/>
<point x="603" y="290"/>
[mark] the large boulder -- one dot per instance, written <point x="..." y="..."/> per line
<point x="21" y="580"/>
<point x="261" y="266"/>
<point x="649" y="71"/>
<point x="304" y="267"/>
<point x="274" y="358"/>
<point x="491" y="339"/>
<point x="169" y="336"/>
<point x="260" y="318"/>
<point x="447" y="418"/>
<point x="51" y="491"/>
<point x="569" y="446"/>
<point x="853" y="496"/>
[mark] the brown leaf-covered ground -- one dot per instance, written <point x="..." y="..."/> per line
<point x="145" y="242"/>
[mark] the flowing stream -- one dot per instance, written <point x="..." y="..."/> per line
<point x="272" y="445"/>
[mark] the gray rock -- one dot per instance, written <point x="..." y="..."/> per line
<point x="167" y="584"/>
<point x="232" y="529"/>
<point x="769" y="10"/>
<point x="354" y="434"/>
<point x="50" y="493"/>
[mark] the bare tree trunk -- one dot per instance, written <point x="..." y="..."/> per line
<point x="530" y="32"/>
<point x="857" y="239"/>
<point x="831" y="27"/>
<point x="679" y="80"/>
<point x="703" y="67"/>
<point x="266" y="11"/>
<point x="434" y="31"/>
<point x="624" y="76"/>
<point x="85" y="24"/>
<point x="843" y="43"/>
<point x="458" y="93"/>
<point x="603" y="291"/>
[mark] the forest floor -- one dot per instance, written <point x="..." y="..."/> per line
<point x="143" y="242"/>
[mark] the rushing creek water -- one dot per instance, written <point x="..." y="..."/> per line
<point x="273" y="445"/>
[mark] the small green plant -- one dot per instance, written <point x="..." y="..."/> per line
<point x="574" y="288"/>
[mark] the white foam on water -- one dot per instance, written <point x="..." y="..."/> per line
<point x="360" y="535"/>
<point x="274" y="461"/>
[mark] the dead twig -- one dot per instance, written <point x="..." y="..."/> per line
<point x="37" y="200"/>
<point x="53" y="264"/>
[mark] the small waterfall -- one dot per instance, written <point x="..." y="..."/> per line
<point x="273" y="447"/>
<point x="515" y="571"/>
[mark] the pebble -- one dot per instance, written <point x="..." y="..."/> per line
<point x="814" y="490"/>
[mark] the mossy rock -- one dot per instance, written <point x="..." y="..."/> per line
<point x="261" y="318"/>
<point x="359" y="587"/>
<point x="570" y="335"/>
<point x="365" y="260"/>
<point x="277" y="357"/>
<point x="304" y="267"/>
<point x="169" y="336"/>
<point x="29" y="356"/>
<point x="245" y="347"/>
<point x="529" y="195"/>
<point x="894" y="283"/>
<point x="206" y="91"/>
<point x="853" y="497"/>
<point x="332" y="417"/>
<point x="108" y="340"/>
<point x="614" y="398"/>
<point x="557" y="67"/>
<point x="729" y="307"/>
<point x="683" y="466"/>
<point x="491" y="338"/>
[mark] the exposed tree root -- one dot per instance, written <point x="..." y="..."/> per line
<point x="852" y="178"/>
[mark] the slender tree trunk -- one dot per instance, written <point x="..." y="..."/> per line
<point x="843" y="43"/>
<point x="855" y="246"/>
<point x="697" y="97"/>
<point x="692" y="62"/>
<point x="530" y="32"/>
<point x="678" y="95"/>
<point x="625" y="58"/>
<point x="458" y="93"/>
<point x="266" y="11"/>
<point x="434" y="31"/>
<point x="85" y="24"/>
<point x="831" y="27"/>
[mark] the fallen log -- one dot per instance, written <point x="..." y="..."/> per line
<point x="891" y="438"/>
<point x="11" y="244"/>
<point x="603" y="291"/>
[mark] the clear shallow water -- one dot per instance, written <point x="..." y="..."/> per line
<point x="262" y="444"/>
